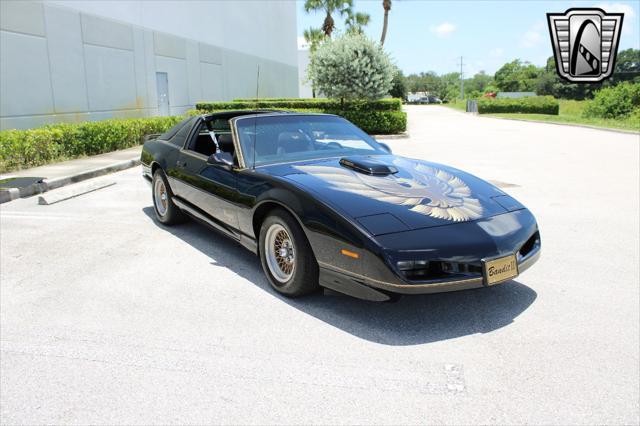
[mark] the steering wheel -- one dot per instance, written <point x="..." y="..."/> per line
<point x="332" y="145"/>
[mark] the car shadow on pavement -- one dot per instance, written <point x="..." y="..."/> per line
<point x="413" y="320"/>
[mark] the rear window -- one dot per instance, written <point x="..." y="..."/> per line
<point x="180" y="136"/>
<point x="172" y="131"/>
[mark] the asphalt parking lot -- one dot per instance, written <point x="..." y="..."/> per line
<point x="108" y="317"/>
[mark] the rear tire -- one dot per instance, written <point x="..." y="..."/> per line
<point x="167" y="212"/>
<point x="286" y="256"/>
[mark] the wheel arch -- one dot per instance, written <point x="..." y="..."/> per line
<point x="262" y="210"/>
<point x="155" y="166"/>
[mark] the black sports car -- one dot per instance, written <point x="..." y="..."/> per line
<point x="325" y="205"/>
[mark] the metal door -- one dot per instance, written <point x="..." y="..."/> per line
<point x="162" y="85"/>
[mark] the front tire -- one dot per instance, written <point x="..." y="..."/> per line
<point x="286" y="256"/>
<point x="167" y="212"/>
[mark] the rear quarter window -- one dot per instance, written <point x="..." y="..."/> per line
<point x="179" y="137"/>
<point x="166" y="136"/>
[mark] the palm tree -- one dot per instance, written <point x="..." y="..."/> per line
<point x="386" y="5"/>
<point x="356" y="22"/>
<point x="313" y="36"/>
<point x="329" y="7"/>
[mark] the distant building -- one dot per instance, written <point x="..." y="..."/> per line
<point x="515" y="95"/>
<point x="72" y="61"/>
<point x="304" y="59"/>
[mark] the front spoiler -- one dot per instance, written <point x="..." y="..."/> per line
<point x="367" y="288"/>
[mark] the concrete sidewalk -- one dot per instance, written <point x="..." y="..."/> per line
<point x="67" y="172"/>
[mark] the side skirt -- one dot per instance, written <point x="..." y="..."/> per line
<point x="346" y="285"/>
<point x="193" y="211"/>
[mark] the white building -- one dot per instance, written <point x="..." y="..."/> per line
<point x="304" y="59"/>
<point x="89" y="60"/>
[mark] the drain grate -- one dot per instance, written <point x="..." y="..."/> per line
<point x="19" y="182"/>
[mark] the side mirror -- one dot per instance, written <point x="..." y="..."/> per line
<point x="385" y="147"/>
<point x="221" y="159"/>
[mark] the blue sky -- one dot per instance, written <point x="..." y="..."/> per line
<point x="432" y="35"/>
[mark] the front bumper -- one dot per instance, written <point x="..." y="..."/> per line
<point x="464" y="243"/>
<point x="365" y="287"/>
<point x="146" y="173"/>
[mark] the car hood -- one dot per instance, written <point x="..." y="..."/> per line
<point x="388" y="193"/>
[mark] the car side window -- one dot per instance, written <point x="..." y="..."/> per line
<point x="202" y="143"/>
<point x="220" y="125"/>
<point x="178" y="139"/>
<point x="166" y="136"/>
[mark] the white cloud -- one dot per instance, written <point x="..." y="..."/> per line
<point x="627" y="9"/>
<point x="533" y="37"/>
<point x="443" y="30"/>
<point x="497" y="52"/>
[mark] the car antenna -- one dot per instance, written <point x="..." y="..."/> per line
<point x="258" y="84"/>
<point x="255" y="119"/>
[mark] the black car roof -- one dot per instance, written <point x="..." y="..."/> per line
<point x="235" y="113"/>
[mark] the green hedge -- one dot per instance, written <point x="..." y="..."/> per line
<point x="384" y="116"/>
<point x="614" y="102"/>
<point x="530" y="105"/>
<point x="56" y="142"/>
<point x="376" y="122"/>
<point x="392" y="104"/>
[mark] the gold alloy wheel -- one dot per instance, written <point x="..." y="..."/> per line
<point x="160" y="197"/>
<point x="280" y="253"/>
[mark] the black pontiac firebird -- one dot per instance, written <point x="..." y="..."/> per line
<point x="325" y="205"/>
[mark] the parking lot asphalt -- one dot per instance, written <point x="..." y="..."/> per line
<point x="108" y="317"/>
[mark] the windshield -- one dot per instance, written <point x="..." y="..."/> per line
<point x="287" y="138"/>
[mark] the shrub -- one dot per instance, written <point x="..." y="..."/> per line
<point x="351" y="67"/>
<point x="398" y="85"/>
<point x="614" y="102"/>
<point x="377" y="122"/>
<point x="530" y="105"/>
<point x="316" y="103"/>
<point x="56" y="142"/>
<point x="383" y="116"/>
<point x="35" y="147"/>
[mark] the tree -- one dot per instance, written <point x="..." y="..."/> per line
<point x="517" y="76"/>
<point x="628" y="60"/>
<point x="386" y="5"/>
<point x="550" y="83"/>
<point x="313" y="36"/>
<point x="478" y="83"/>
<point x="450" y="86"/>
<point x="627" y="66"/>
<point x="329" y="7"/>
<point x="355" y="22"/>
<point x="398" y="85"/>
<point x="351" y="67"/>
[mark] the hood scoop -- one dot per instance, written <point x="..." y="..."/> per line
<point x="368" y="166"/>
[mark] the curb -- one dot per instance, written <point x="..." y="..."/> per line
<point x="11" y="194"/>
<point x="404" y="135"/>
<point x="556" y="123"/>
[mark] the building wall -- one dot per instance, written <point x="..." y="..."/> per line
<point x="90" y="60"/>
<point x="304" y="86"/>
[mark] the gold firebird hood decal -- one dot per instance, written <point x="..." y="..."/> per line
<point x="428" y="190"/>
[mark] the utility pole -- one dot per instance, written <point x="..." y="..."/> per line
<point x="461" y="79"/>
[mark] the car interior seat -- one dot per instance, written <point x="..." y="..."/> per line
<point x="293" y="142"/>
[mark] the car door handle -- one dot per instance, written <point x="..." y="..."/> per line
<point x="181" y="164"/>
